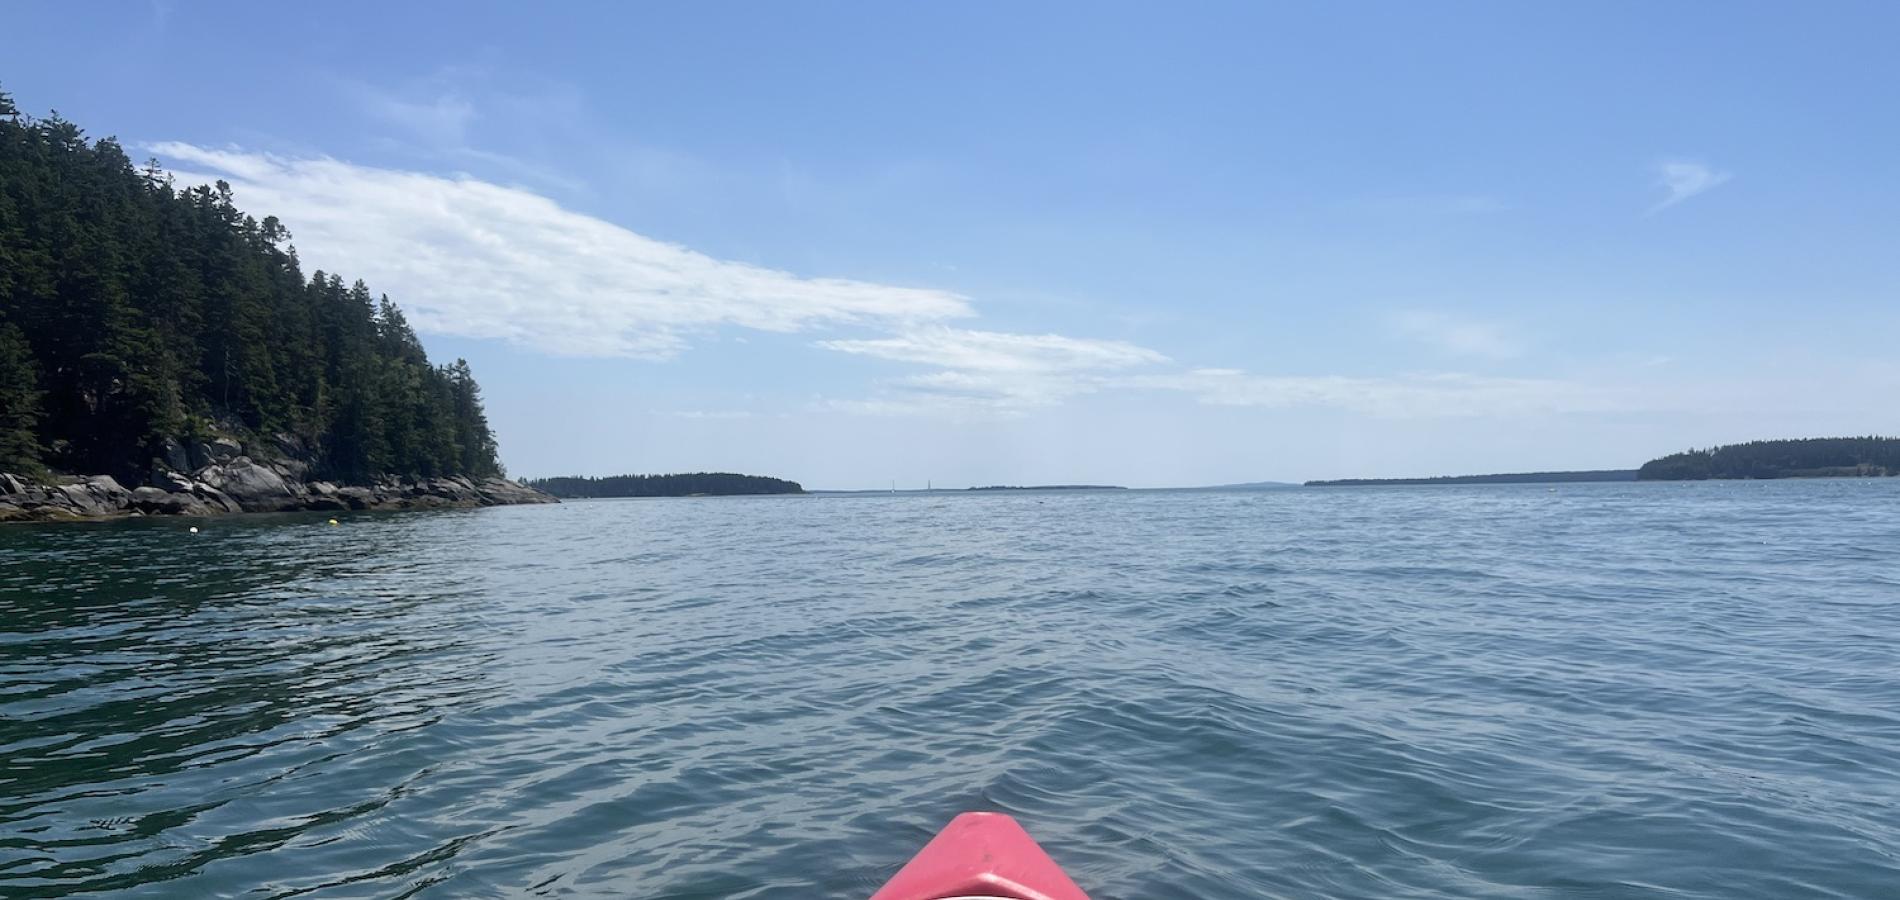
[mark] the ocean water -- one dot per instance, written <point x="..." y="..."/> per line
<point x="1684" y="691"/>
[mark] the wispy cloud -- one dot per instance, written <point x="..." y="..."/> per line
<point x="472" y="258"/>
<point x="1433" y="395"/>
<point x="476" y="259"/>
<point x="1455" y="335"/>
<point x="989" y="370"/>
<point x="436" y="117"/>
<point x="996" y="351"/>
<point x="965" y="395"/>
<point x="1681" y="179"/>
<point x="440" y="118"/>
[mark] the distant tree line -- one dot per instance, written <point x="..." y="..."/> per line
<point x="1508" y="478"/>
<point x="1048" y="487"/>
<point x="1804" y="458"/>
<point x="135" y="314"/>
<point x="712" y="484"/>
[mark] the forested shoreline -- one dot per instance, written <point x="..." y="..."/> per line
<point x="161" y="352"/>
<point x="1800" y="458"/>
<point x="710" y="484"/>
<point x="139" y="318"/>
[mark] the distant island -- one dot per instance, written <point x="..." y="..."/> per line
<point x="1246" y="486"/>
<point x="691" y="484"/>
<point x="1855" y="457"/>
<point x="1507" y="478"/>
<point x="1803" y="458"/>
<point x="1048" y="487"/>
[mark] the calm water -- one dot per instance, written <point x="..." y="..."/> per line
<point x="1680" y="691"/>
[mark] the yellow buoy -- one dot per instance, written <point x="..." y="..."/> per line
<point x="333" y="521"/>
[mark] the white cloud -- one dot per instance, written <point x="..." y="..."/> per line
<point x="967" y="394"/>
<point x="1450" y="334"/>
<point x="995" y="351"/>
<point x="1406" y="396"/>
<point x="989" y="371"/>
<point x="1681" y="179"/>
<point x="471" y="258"/>
<point x="474" y="259"/>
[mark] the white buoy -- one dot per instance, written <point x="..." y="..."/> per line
<point x="194" y="529"/>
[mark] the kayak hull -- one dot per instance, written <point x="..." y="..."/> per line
<point x="981" y="856"/>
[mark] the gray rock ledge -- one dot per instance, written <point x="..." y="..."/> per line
<point x="239" y="484"/>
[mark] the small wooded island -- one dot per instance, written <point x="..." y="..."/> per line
<point x="1800" y="458"/>
<point x="691" y="484"/>
<point x="162" y="352"/>
<point x="1803" y="458"/>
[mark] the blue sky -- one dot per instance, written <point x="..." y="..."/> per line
<point x="976" y="243"/>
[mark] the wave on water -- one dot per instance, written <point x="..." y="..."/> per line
<point x="1616" y="690"/>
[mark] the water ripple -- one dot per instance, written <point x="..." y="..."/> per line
<point x="1607" y="691"/>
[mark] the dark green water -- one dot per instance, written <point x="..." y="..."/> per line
<point x="1638" y="690"/>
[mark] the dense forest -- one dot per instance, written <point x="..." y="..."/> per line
<point x="711" y="484"/>
<point x="1806" y="458"/>
<point x="1507" y="478"/>
<point x="136" y="316"/>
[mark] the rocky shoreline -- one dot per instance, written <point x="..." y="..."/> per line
<point x="240" y="484"/>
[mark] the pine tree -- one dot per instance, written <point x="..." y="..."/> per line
<point x="474" y="441"/>
<point x="19" y="403"/>
<point x="134" y="313"/>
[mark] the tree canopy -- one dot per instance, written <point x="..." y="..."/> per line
<point x="1808" y="457"/>
<point x="135" y="314"/>
<point x="682" y="485"/>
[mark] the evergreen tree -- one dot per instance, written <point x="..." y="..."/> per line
<point x="19" y="404"/>
<point x="134" y="314"/>
<point x="473" y="441"/>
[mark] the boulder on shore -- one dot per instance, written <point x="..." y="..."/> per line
<point x="174" y="455"/>
<point x="168" y="480"/>
<point x="293" y="470"/>
<point x="157" y="501"/>
<point x="216" y="499"/>
<point x="255" y="488"/>
<point x="498" y="491"/>
<point x="99" y="495"/>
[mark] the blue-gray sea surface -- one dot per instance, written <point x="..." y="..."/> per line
<point x="1684" y="691"/>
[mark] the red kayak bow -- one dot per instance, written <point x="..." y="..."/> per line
<point x="981" y="856"/>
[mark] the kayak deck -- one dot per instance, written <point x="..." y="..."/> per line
<point x="981" y="856"/>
